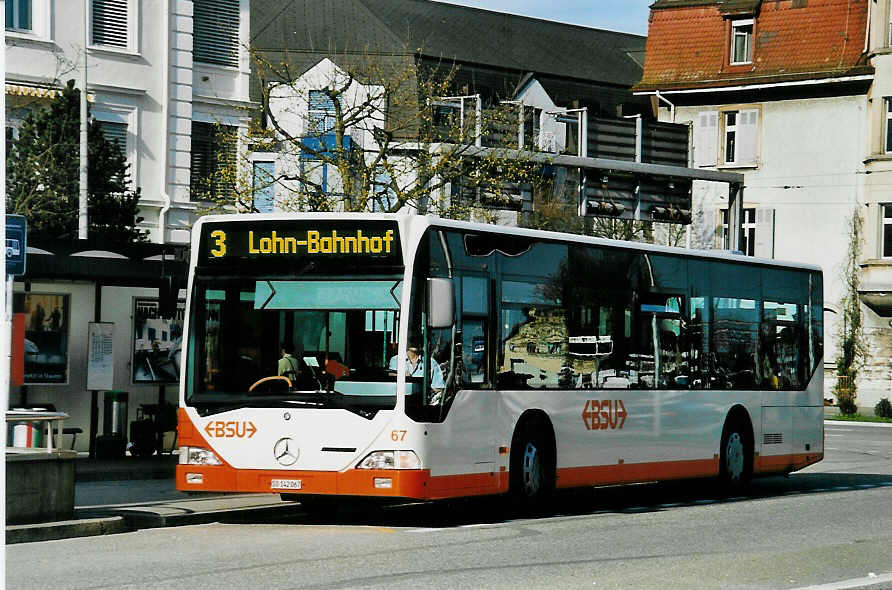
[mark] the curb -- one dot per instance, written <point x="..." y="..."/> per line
<point x="121" y="519"/>
<point x="863" y="424"/>
<point x="66" y="529"/>
<point x="143" y="519"/>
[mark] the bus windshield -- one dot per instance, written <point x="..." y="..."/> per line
<point x="293" y="343"/>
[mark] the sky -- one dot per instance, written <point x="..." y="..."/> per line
<point x="628" y="16"/>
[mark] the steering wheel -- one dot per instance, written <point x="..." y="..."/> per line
<point x="272" y="378"/>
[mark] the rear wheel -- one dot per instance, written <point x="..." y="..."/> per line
<point x="736" y="457"/>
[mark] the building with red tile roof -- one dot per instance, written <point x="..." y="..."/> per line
<point x="797" y="96"/>
<point x="689" y="46"/>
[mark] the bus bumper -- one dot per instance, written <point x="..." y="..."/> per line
<point x="389" y="483"/>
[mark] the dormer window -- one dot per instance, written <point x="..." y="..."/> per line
<point x="741" y="41"/>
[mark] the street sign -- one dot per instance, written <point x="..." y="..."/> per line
<point x="16" y="244"/>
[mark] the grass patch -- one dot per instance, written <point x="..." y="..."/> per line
<point x="858" y="418"/>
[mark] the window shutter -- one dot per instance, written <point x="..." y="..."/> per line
<point x="115" y="132"/>
<point x="764" y="232"/>
<point x="213" y="151"/>
<point x="215" y="31"/>
<point x="706" y="139"/>
<point x="109" y="23"/>
<point x="747" y="137"/>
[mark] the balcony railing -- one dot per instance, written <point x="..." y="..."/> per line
<point x="568" y="132"/>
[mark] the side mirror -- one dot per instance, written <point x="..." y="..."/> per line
<point x="440" y="303"/>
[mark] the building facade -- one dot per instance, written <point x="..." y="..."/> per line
<point x="159" y="74"/>
<point x="792" y="95"/>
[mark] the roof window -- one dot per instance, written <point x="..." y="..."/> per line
<point x="741" y="41"/>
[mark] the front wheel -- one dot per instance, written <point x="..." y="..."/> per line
<point x="736" y="458"/>
<point x="532" y="470"/>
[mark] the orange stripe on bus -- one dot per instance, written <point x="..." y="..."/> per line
<point x="569" y="477"/>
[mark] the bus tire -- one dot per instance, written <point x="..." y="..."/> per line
<point x="531" y="474"/>
<point x="736" y="455"/>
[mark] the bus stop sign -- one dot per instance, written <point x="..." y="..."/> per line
<point x="16" y="233"/>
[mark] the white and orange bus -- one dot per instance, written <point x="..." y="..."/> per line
<point x="545" y="360"/>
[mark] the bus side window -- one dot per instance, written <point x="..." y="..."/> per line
<point x="474" y="352"/>
<point x="475" y="329"/>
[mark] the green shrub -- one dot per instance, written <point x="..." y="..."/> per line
<point x="883" y="409"/>
<point x="846" y="402"/>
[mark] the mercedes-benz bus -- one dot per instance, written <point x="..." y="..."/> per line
<point x="548" y="360"/>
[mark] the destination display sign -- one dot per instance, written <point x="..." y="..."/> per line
<point x="361" y="242"/>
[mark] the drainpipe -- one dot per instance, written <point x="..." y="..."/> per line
<point x="165" y="123"/>
<point x="671" y="106"/>
<point x="867" y="32"/>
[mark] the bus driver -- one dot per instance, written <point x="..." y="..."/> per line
<point x="415" y="368"/>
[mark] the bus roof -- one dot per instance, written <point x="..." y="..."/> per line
<point x="422" y="221"/>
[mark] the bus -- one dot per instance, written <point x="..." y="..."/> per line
<point x="442" y="359"/>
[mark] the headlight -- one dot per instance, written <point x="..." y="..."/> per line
<point x="390" y="460"/>
<point x="198" y="456"/>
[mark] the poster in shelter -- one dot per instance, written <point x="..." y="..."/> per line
<point x="156" y="343"/>
<point x="46" y="337"/>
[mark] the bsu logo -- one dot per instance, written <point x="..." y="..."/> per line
<point x="604" y="414"/>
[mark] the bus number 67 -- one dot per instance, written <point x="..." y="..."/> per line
<point x="397" y="435"/>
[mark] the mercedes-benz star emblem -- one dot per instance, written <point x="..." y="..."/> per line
<point x="286" y="452"/>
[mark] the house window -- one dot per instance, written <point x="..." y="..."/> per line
<point x="887" y="231"/>
<point x="740" y="137"/>
<point x="888" y="148"/>
<point x="213" y="160"/>
<point x="216" y="32"/>
<point x="531" y="127"/>
<point x="264" y="186"/>
<point x="18" y="15"/>
<point x="12" y="135"/>
<point x="109" y="24"/>
<point x="742" y="41"/>
<point x="320" y="113"/>
<point x="730" y="136"/>
<point x="749" y="231"/>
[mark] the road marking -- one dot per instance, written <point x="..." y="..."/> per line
<point x="865" y="582"/>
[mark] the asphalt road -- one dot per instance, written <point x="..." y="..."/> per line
<point x="826" y="524"/>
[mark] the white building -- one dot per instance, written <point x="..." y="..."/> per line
<point x="162" y="76"/>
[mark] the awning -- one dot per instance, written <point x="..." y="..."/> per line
<point x="32" y="91"/>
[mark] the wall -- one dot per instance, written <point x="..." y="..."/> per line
<point x="809" y="173"/>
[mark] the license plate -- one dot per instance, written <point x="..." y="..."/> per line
<point x="285" y="484"/>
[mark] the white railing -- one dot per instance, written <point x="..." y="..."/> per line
<point x="29" y="417"/>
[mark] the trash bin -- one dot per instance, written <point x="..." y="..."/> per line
<point x="114" y="413"/>
<point x="113" y="441"/>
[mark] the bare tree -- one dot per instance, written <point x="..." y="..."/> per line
<point x="376" y="134"/>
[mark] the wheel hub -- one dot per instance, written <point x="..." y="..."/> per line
<point x="532" y="472"/>
<point x="734" y="457"/>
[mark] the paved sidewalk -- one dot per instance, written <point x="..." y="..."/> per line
<point x="135" y="493"/>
